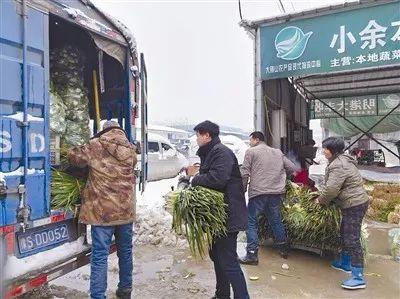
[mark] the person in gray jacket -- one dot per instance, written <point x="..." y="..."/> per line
<point x="344" y="186"/>
<point x="264" y="172"/>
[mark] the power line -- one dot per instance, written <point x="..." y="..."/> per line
<point x="281" y="5"/>
<point x="294" y="9"/>
<point x="240" y="10"/>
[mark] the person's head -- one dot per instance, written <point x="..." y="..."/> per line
<point x="110" y="124"/>
<point x="256" y="137"/>
<point x="205" y="132"/>
<point x="333" y="146"/>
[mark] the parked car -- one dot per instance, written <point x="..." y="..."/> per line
<point x="164" y="161"/>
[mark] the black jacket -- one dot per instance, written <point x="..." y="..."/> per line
<point x="219" y="170"/>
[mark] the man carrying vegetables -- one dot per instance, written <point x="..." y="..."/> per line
<point x="265" y="167"/>
<point x="108" y="204"/>
<point x="219" y="170"/>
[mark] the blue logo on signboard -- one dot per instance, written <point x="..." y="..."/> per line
<point x="291" y="42"/>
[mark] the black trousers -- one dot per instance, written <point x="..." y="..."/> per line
<point x="227" y="268"/>
<point x="350" y="232"/>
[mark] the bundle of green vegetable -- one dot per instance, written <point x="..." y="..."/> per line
<point x="65" y="190"/>
<point x="307" y="223"/>
<point x="200" y="214"/>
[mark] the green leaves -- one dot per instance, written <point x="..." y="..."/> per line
<point x="308" y="223"/>
<point x="65" y="190"/>
<point x="200" y="214"/>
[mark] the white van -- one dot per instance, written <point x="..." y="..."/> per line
<point x="164" y="160"/>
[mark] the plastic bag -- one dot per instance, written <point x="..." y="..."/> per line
<point x="394" y="243"/>
<point x="76" y="134"/>
<point x="57" y="114"/>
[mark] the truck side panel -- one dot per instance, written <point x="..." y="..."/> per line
<point x="11" y="111"/>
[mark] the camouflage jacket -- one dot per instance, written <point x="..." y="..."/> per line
<point x="109" y="195"/>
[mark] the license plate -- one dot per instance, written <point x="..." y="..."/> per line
<point x="32" y="241"/>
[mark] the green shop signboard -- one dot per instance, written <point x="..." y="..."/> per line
<point x="342" y="41"/>
<point x="368" y="105"/>
<point x="387" y="102"/>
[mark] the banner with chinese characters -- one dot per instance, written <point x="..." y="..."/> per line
<point x="348" y="40"/>
<point x="369" y="105"/>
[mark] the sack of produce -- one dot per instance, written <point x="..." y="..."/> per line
<point x="57" y="114"/>
<point x="76" y="134"/>
<point x="394" y="243"/>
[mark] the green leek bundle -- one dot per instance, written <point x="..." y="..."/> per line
<point x="200" y="214"/>
<point x="65" y="190"/>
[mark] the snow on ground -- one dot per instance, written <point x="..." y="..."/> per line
<point x="16" y="267"/>
<point x="153" y="222"/>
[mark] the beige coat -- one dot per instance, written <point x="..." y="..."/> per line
<point x="265" y="167"/>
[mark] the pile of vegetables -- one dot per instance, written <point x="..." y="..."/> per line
<point x="69" y="119"/>
<point x="199" y="214"/>
<point x="385" y="203"/>
<point x="307" y="223"/>
<point x="69" y="102"/>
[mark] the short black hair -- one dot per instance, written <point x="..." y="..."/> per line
<point x="207" y="127"/>
<point x="258" y="135"/>
<point x="334" y="144"/>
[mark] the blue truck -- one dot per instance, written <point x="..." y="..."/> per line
<point x="38" y="243"/>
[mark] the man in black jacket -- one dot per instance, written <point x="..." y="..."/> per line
<point x="219" y="170"/>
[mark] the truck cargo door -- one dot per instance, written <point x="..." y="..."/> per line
<point x="144" y="121"/>
<point x="14" y="101"/>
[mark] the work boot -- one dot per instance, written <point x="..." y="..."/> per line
<point x="343" y="263"/>
<point x="251" y="258"/>
<point x="356" y="281"/>
<point x="284" y="250"/>
<point x="124" y="293"/>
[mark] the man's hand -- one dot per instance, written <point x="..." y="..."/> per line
<point x="192" y="170"/>
<point x="317" y="200"/>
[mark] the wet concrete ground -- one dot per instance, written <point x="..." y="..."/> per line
<point x="168" y="273"/>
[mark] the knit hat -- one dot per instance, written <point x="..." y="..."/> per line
<point x="207" y="127"/>
<point x="109" y="124"/>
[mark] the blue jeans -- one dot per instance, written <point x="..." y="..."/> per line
<point x="270" y="205"/>
<point x="227" y="268"/>
<point x="101" y="242"/>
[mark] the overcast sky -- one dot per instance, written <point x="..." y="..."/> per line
<point x="199" y="61"/>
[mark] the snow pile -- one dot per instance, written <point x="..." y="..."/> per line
<point x="19" y="116"/>
<point x="20" y="171"/>
<point x="16" y="267"/>
<point x="153" y="223"/>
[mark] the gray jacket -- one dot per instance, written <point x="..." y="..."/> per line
<point x="343" y="183"/>
<point x="266" y="169"/>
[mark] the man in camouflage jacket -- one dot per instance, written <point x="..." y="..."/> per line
<point x="108" y="203"/>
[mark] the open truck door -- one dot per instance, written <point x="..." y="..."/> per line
<point x="144" y="122"/>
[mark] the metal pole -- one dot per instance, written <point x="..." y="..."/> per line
<point x="23" y="211"/>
